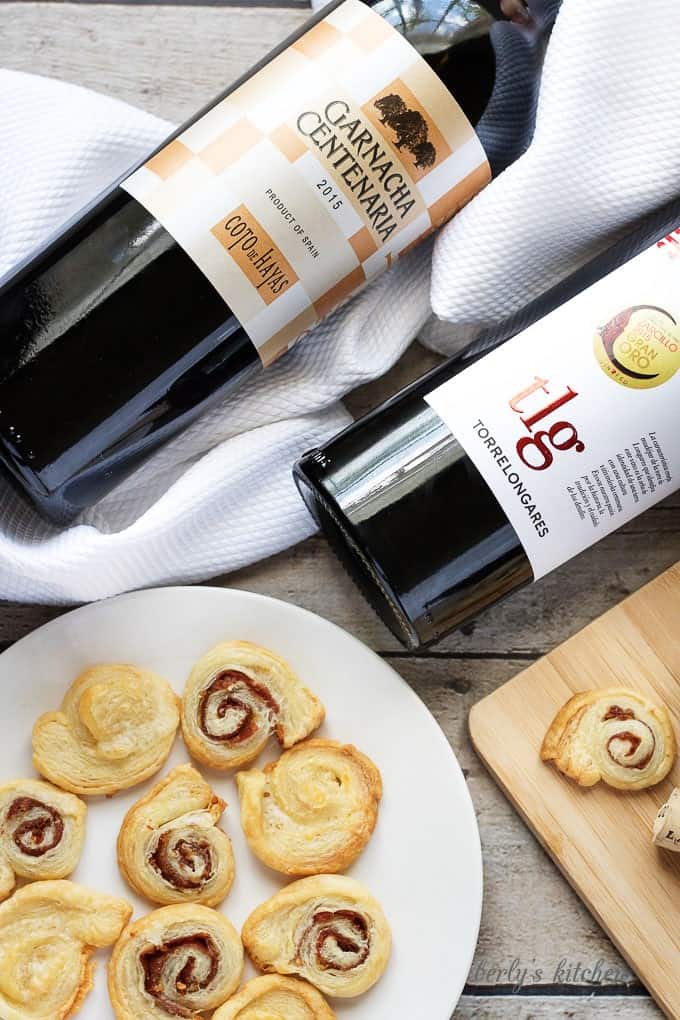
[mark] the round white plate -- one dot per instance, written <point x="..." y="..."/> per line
<point x="424" y="861"/>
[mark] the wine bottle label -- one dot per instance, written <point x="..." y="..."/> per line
<point x="574" y="424"/>
<point x="313" y="176"/>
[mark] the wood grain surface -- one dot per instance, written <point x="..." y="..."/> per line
<point x="144" y="54"/>
<point x="600" y="838"/>
<point x="537" y="938"/>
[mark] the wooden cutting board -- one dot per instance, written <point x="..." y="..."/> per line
<point x="600" y="838"/>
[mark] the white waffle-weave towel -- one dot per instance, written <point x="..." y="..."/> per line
<point x="221" y="495"/>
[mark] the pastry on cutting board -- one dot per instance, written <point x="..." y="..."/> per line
<point x="614" y="735"/>
<point x="237" y="695"/>
<point x="313" y="811"/>
<point x="41" y="832"/>
<point x="170" y="849"/>
<point x="115" y="728"/>
<point x="327" y="929"/>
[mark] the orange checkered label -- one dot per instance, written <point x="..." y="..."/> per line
<point x="256" y="255"/>
<point x="315" y="175"/>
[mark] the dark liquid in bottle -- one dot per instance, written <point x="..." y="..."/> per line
<point x="112" y="340"/>
<point x="404" y="507"/>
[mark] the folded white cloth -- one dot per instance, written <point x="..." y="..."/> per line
<point x="603" y="154"/>
<point x="221" y="495"/>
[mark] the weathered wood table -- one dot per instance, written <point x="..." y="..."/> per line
<point x="540" y="953"/>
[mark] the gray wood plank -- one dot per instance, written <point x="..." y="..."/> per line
<point x="302" y="4"/>
<point x="168" y="60"/>
<point x="556" y="1008"/>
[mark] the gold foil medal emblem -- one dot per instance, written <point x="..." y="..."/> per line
<point x="639" y="347"/>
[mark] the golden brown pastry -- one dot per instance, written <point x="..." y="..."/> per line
<point x="236" y="696"/>
<point x="328" y="930"/>
<point x="176" y="962"/>
<point x="276" y="998"/>
<point x="314" y="810"/>
<point x="667" y="824"/>
<point x="116" y="726"/>
<point x="615" y="735"/>
<point x="48" y="932"/>
<point x="41" y="832"/>
<point x="170" y="849"/>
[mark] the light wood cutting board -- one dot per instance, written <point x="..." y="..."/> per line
<point x="600" y="838"/>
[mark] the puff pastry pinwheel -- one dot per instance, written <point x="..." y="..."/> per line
<point x="116" y="726"/>
<point x="236" y="696"/>
<point x="276" y="998"/>
<point x="667" y="824"/>
<point x="41" y="832"/>
<point x="178" y="961"/>
<point x="48" y="932"/>
<point x="614" y="735"/>
<point x="170" y="849"/>
<point x="312" y="811"/>
<point x="328" y="930"/>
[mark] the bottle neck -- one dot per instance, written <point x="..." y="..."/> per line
<point x="488" y="53"/>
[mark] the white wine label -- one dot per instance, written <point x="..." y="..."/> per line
<point x="316" y="174"/>
<point x="574" y="424"/>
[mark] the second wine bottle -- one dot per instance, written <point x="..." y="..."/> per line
<point x="549" y="433"/>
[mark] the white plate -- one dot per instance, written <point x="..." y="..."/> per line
<point x="424" y="861"/>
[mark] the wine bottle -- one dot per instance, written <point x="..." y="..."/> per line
<point x="547" y="434"/>
<point x="300" y="183"/>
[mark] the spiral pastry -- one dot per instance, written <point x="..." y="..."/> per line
<point x="176" y="962"/>
<point x="615" y="735"/>
<point x="276" y="998"/>
<point x="41" y="832"/>
<point x="116" y="727"/>
<point x="314" y="810"/>
<point x="667" y="824"/>
<point x="170" y="849"/>
<point x="328" y="930"/>
<point x="236" y="696"/>
<point x="48" y="933"/>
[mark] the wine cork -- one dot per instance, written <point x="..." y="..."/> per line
<point x="667" y="824"/>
